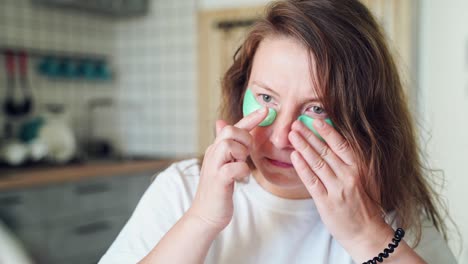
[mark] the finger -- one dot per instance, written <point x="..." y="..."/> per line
<point x="220" y="124"/>
<point x="234" y="171"/>
<point x="252" y="120"/>
<point x="313" y="183"/>
<point x="336" y="142"/>
<point x="316" y="163"/>
<point x="229" y="151"/>
<point x="231" y="132"/>
<point x="322" y="148"/>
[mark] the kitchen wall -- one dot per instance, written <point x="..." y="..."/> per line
<point x="156" y="56"/>
<point x="154" y="60"/>
<point x="28" y="26"/>
<point x="443" y="64"/>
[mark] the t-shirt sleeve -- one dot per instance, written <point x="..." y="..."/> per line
<point x="161" y="206"/>
<point x="433" y="248"/>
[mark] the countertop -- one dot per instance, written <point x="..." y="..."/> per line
<point x="14" y="178"/>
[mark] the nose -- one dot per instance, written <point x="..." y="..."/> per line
<point x="280" y="130"/>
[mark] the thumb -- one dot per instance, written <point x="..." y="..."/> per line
<point x="220" y="124"/>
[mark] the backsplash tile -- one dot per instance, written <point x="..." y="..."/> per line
<point x="154" y="89"/>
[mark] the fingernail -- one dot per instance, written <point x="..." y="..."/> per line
<point x="296" y="125"/>
<point x="318" y="122"/>
<point x="261" y="110"/>
<point x="294" y="136"/>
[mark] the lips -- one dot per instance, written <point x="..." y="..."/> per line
<point x="278" y="163"/>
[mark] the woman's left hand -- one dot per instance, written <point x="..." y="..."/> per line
<point x="330" y="173"/>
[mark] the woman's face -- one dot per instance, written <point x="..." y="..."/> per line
<point x="281" y="79"/>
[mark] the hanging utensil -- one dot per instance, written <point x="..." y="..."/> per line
<point x="21" y="106"/>
<point x="28" y="105"/>
<point x="8" y="104"/>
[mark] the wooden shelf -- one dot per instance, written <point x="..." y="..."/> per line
<point x="46" y="176"/>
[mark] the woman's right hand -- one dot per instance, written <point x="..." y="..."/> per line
<point x="223" y="164"/>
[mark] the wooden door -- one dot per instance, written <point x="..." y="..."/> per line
<point x="399" y="19"/>
<point x="221" y="32"/>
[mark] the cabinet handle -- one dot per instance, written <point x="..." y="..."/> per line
<point x="92" y="228"/>
<point x="11" y="200"/>
<point x="92" y="188"/>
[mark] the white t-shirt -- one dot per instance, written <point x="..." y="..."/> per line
<point x="264" y="229"/>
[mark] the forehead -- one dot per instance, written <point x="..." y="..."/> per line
<point x="285" y="65"/>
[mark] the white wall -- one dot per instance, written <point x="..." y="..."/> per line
<point x="444" y="99"/>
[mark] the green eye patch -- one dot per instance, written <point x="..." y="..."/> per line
<point x="250" y="105"/>
<point x="308" y="121"/>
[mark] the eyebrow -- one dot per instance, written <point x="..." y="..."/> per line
<point x="266" y="87"/>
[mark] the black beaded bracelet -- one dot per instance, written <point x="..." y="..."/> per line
<point x="399" y="234"/>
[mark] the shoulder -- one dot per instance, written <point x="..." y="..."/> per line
<point x="180" y="172"/>
<point x="161" y="206"/>
<point x="188" y="167"/>
<point x="178" y="182"/>
<point x="432" y="247"/>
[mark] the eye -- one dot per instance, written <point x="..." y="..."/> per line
<point x="266" y="98"/>
<point x="317" y="109"/>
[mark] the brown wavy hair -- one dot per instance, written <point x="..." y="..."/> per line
<point x="362" y="92"/>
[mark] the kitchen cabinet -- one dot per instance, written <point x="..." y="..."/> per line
<point x="73" y="222"/>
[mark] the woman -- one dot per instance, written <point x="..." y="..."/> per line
<point x="273" y="190"/>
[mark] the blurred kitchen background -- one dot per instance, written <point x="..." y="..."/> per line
<point x="100" y="95"/>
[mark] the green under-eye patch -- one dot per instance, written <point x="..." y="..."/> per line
<point x="250" y="105"/>
<point x="308" y="121"/>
